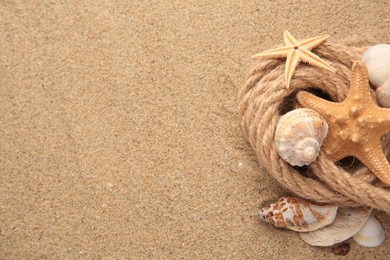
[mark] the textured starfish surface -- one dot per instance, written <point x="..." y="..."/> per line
<point x="356" y="125"/>
<point x="295" y="52"/>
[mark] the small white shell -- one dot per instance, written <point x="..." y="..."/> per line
<point x="371" y="234"/>
<point x="299" y="135"/>
<point x="298" y="214"/>
<point x="383" y="94"/>
<point x="347" y="223"/>
<point x="377" y="60"/>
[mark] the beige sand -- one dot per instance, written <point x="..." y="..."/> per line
<point x="119" y="128"/>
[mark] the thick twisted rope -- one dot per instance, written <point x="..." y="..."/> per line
<point x="261" y="100"/>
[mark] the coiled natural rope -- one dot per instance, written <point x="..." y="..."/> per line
<point x="262" y="98"/>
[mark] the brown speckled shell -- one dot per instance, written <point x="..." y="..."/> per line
<point x="298" y="214"/>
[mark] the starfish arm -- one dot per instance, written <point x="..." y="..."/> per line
<point x="313" y="42"/>
<point x="289" y="39"/>
<point x="386" y="126"/>
<point x="383" y="119"/>
<point x="375" y="160"/>
<point x="384" y="113"/>
<point x="333" y="147"/>
<point x="311" y="101"/>
<point x="274" y="53"/>
<point x="291" y="63"/>
<point x="359" y="83"/>
<point x="314" y="60"/>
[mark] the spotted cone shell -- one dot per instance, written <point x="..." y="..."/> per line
<point x="298" y="214"/>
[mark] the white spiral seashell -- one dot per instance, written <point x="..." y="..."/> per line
<point x="371" y="234"/>
<point x="299" y="136"/>
<point x="377" y="60"/>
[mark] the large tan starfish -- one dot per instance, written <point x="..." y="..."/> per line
<point x="356" y="125"/>
<point x="295" y="52"/>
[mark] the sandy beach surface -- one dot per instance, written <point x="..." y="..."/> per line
<point x="119" y="133"/>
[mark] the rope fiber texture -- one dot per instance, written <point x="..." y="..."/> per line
<point x="264" y="97"/>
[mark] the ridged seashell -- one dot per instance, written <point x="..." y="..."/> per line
<point x="371" y="234"/>
<point x="298" y="214"/>
<point x="347" y="223"/>
<point x="299" y="135"/>
<point x="377" y="60"/>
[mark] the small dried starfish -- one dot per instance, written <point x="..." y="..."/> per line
<point x="295" y="52"/>
<point x="356" y="125"/>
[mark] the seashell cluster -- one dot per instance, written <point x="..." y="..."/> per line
<point x="347" y="223"/>
<point x="324" y="225"/>
<point x="377" y="60"/>
<point x="299" y="135"/>
<point x="298" y="214"/>
<point x="357" y="223"/>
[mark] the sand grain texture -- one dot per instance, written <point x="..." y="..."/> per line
<point x="119" y="130"/>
